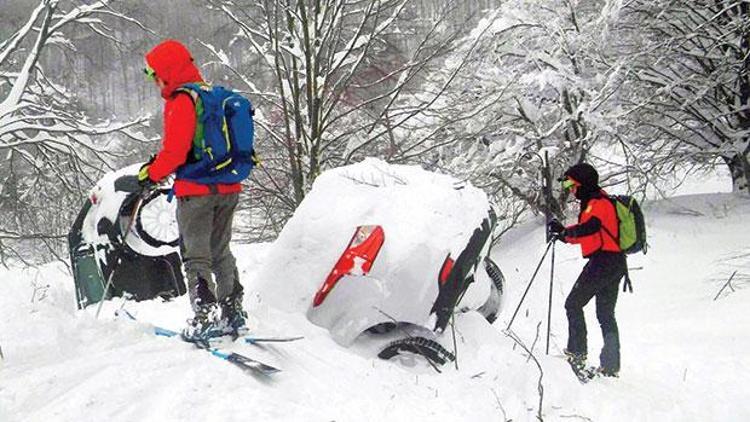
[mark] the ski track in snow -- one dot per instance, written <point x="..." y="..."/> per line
<point x="683" y="354"/>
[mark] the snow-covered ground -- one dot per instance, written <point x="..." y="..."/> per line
<point x="684" y="354"/>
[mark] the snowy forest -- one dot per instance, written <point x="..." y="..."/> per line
<point x="484" y="90"/>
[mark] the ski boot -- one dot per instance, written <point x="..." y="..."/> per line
<point x="604" y="372"/>
<point x="577" y="363"/>
<point x="233" y="316"/>
<point x="204" y="325"/>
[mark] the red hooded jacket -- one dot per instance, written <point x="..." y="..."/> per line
<point x="172" y="63"/>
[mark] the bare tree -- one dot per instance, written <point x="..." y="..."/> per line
<point x="328" y="77"/>
<point x="50" y="146"/>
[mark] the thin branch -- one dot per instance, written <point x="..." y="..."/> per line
<point x="540" y="386"/>
<point x="725" y="285"/>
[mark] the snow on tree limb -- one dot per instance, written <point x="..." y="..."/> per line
<point x="8" y="46"/>
<point x="337" y="69"/>
<point x="51" y="148"/>
<point x="696" y="64"/>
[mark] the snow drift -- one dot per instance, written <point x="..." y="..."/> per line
<point x="684" y="353"/>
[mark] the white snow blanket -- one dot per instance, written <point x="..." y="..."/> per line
<point x="684" y="354"/>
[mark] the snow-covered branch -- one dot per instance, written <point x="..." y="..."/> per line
<point x="337" y="68"/>
<point x="51" y="148"/>
<point x="696" y="66"/>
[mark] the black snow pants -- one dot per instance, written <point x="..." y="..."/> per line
<point x="600" y="278"/>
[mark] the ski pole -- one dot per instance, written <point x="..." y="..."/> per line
<point x="549" y="306"/>
<point x="549" y="243"/>
<point x="134" y="214"/>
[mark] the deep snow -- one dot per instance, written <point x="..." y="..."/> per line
<point x="683" y="353"/>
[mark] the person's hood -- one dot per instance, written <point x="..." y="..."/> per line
<point x="587" y="176"/>
<point x="173" y="63"/>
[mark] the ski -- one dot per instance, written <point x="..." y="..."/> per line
<point x="255" y="340"/>
<point x="243" y="362"/>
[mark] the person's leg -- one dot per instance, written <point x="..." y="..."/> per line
<point x="229" y="290"/>
<point x="609" y="358"/>
<point x="581" y="293"/>
<point x="224" y="265"/>
<point x="194" y="220"/>
<point x="606" y="300"/>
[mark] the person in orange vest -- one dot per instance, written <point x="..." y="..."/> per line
<point x="596" y="233"/>
<point x="204" y="211"/>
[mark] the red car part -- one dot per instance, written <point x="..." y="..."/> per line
<point x="357" y="259"/>
<point x="445" y="270"/>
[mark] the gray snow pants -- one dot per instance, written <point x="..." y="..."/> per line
<point x="205" y="224"/>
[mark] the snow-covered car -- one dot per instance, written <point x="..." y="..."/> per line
<point x="376" y="247"/>
<point x="145" y="263"/>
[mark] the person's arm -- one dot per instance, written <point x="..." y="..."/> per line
<point x="179" y="130"/>
<point x="581" y="230"/>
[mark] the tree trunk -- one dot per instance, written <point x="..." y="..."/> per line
<point x="739" y="167"/>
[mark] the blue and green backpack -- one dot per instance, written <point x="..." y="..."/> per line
<point x="222" y="151"/>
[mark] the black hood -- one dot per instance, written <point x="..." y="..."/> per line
<point x="587" y="176"/>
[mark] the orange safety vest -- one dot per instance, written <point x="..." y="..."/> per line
<point x="606" y="238"/>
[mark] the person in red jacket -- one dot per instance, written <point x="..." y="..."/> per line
<point x="204" y="212"/>
<point x="596" y="233"/>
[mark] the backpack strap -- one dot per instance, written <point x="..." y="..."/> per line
<point x="627" y="286"/>
<point x="194" y="90"/>
<point x="191" y="90"/>
<point x="604" y="228"/>
<point x="609" y="233"/>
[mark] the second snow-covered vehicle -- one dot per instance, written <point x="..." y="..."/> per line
<point x="128" y="237"/>
<point x="382" y="248"/>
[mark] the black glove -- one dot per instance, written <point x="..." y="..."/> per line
<point x="555" y="230"/>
